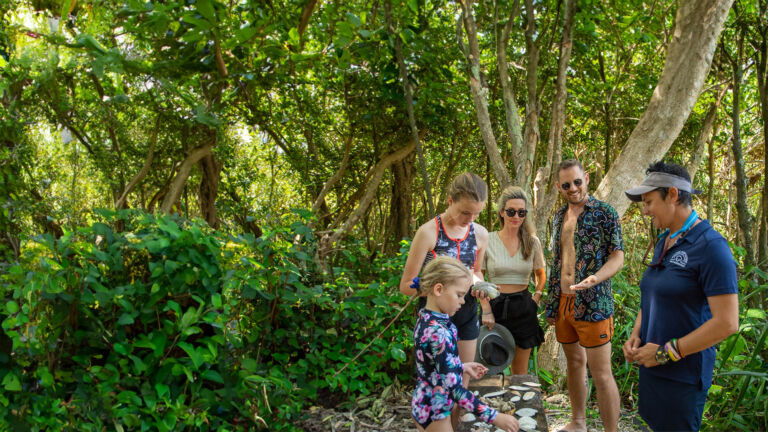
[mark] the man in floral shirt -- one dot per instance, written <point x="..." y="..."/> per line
<point x="587" y="248"/>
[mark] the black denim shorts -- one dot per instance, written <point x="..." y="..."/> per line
<point x="519" y="314"/>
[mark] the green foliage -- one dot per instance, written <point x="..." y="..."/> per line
<point x="738" y="399"/>
<point x="169" y="325"/>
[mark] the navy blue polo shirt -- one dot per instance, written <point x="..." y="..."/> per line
<point x="674" y="298"/>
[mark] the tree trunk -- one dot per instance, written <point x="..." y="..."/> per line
<point x="546" y="177"/>
<point x="711" y="169"/>
<point x="689" y="55"/>
<point x="762" y="89"/>
<point x="121" y="202"/>
<point x="708" y="129"/>
<point x="400" y="204"/>
<point x="320" y="200"/>
<point x="744" y="217"/>
<point x="409" y="107"/>
<point x="209" y="189"/>
<point x="524" y="166"/>
<point x="177" y="185"/>
<point x="480" y="96"/>
<point x="511" y="111"/>
<point x="376" y="174"/>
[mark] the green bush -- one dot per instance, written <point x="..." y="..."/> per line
<point x="168" y="325"/>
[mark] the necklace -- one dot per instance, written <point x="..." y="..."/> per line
<point x="686" y="226"/>
<point x="689" y="222"/>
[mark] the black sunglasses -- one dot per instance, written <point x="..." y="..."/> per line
<point x="512" y="212"/>
<point x="567" y="185"/>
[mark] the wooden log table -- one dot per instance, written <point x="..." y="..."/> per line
<point x="500" y="382"/>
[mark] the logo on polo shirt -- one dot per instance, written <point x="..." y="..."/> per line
<point x="679" y="258"/>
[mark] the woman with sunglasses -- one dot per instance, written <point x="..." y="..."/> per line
<point x="688" y="303"/>
<point x="513" y="253"/>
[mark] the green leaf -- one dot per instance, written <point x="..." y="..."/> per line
<point x="125" y="319"/>
<point x="201" y="116"/>
<point x="120" y="348"/>
<point x="216" y="300"/>
<point x="200" y="25"/>
<point x="756" y="313"/>
<point x="413" y="5"/>
<point x="11" y="382"/>
<point x="11" y="307"/>
<point x="212" y="375"/>
<point x="205" y="7"/>
<point x="293" y="36"/>
<point x="397" y="353"/>
<point x="189" y="317"/>
<point x="162" y="390"/>
<point x="46" y="378"/>
<point x="194" y="354"/>
<point x="89" y="43"/>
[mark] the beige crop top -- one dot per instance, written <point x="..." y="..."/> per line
<point x="500" y="268"/>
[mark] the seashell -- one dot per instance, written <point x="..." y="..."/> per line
<point x="521" y="388"/>
<point x="494" y="394"/>
<point x="529" y="395"/>
<point x="532" y="384"/>
<point x="526" y="412"/>
<point x="468" y="417"/>
<point x="527" y="423"/>
<point x="515" y="399"/>
<point x="490" y="289"/>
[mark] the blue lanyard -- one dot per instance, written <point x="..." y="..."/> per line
<point x="686" y="226"/>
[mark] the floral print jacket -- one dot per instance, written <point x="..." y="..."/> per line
<point x="597" y="235"/>
<point x="439" y="372"/>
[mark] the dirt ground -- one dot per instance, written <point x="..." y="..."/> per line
<point x="391" y="411"/>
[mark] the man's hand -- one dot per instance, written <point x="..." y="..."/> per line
<point x="588" y="282"/>
<point x="475" y="370"/>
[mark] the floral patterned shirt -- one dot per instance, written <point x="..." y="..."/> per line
<point x="439" y="372"/>
<point x="597" y="235"/>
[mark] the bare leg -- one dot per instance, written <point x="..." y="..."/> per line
<point x="443" y="425"/>
<point x="599" y="361"/>
<point x="576" y="359"/>
<point x="520" y="362"/>
<point x="466" y="354"/>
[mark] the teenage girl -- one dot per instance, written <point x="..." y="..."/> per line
<point x="445" y="282"/>
<point x="454" y="233"/>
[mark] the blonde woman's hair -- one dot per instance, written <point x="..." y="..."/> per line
<point x="444" y="270"/>
<point x="468" y="185"/>
<point x="526" y="231"/>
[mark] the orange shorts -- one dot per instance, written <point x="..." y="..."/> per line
<point x="588" y="334"/>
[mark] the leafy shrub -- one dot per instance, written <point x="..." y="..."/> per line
<point x="169" y="325"/>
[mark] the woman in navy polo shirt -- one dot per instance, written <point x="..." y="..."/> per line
<point x="688" y="303"/>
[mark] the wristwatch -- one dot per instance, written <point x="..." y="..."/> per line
<point x="661" y="356"/>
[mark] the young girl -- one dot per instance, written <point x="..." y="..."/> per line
<point x="454" y="233"/>
<point x="445" y="281"/>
